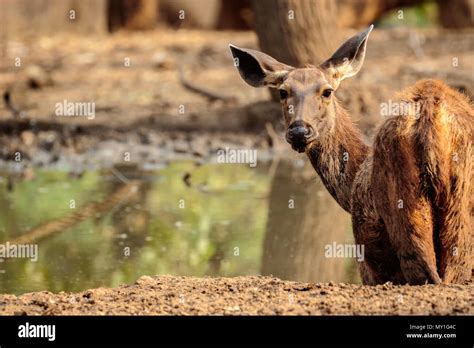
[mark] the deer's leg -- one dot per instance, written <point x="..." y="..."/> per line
<point x="455" y="249"/>
<point x="403" y="207"/>
<point x="455" y="222"/>
<point x="409" y="223"/>
<point x="380" y="263"/>
<point x="411" y="231"/>
<point x="368" y="274"/>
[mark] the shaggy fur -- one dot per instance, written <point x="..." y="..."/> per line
<point x="411" y="195"/>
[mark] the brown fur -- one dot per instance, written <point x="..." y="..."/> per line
<point x="411" y="199"/>
<point x="426" y="163"/>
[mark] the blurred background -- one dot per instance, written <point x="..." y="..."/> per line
<point x="137" y="189"/>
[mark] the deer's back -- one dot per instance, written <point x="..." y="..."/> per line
<point x="432" y="141"/>
<point x="423" y="164"/>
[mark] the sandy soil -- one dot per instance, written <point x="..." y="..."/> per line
<point x="166" y="295"/>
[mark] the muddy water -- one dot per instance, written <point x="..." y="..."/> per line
<point x="105" y="228"/>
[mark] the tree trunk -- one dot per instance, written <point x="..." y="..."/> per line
<point x="296" y="32"/>
<point x="235" y="15"/>
<point x="456" y="13"/>
<point x="202" y="14"/>
<point x="132" y="14"/>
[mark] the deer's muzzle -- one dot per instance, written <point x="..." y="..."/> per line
<point x="299" y="134"/>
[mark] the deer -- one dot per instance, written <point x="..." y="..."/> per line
<point x="410" y="191"/>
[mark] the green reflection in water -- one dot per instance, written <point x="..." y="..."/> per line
<point x="217" y="228"/>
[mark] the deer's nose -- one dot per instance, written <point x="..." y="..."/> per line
<point x="299" y="134"/>
<point x="300" y="131"/>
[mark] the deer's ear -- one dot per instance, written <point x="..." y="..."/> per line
<point x="259" y="69"/>
<point x="348" y="58"/>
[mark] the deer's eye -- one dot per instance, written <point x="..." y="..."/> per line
<point x="327" y="92"/>
<point x="283" y="94"/>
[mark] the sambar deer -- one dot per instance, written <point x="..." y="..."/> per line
<point x="410" y="194"/>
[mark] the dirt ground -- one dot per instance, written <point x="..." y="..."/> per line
<point x="166" y="295"/>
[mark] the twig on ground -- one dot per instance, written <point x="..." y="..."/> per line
<point x="212" y="95"/>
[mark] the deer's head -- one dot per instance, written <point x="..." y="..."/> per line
<point x="306" y="94"/>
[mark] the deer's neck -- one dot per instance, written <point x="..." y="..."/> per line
<point x="337" y="155"/>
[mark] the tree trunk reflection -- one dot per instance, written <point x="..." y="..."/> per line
<point x="294" y="246"/>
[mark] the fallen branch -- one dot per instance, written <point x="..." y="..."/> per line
<point x="212" y="95"/>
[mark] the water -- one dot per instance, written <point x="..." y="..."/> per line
<point x="110" y="227"/>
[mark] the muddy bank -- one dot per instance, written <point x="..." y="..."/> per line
<point x="167" y="295"/>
